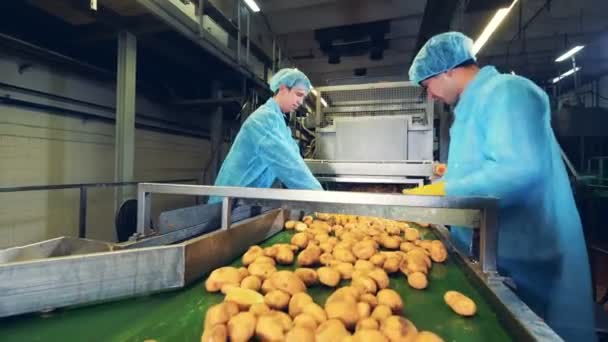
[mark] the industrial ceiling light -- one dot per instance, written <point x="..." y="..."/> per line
<point x="500" y="15"/>
<point x="323" y="102"/>
<point x="564" y="75"/>
<point x="569" y="53"/>
<point x="252" y="5"/>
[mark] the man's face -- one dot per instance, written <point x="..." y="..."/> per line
<point x="290" y="99"/>
<point x="442" y="87"/>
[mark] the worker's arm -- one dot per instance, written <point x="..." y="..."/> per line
<point x="516" y="141"/>
<point x="280" y="153"/>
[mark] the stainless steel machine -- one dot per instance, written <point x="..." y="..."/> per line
<point x="373" y="133"/>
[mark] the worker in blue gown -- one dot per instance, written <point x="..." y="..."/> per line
<point x="502" y="146"/>
<point x="263" y="150"/>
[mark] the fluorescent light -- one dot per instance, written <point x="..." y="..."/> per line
<point x="492" y="26"/>
<point x="570" y="53"/>
<point x="315" y="92"/>
<point x="566" y="74"/>
<point x="323" y="102"/>
<point x="252" y="5"/>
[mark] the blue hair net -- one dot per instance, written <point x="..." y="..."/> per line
<point x="290" y="78"/>
<point x="440" y="54"/>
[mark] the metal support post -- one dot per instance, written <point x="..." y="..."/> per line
<point x="201" y="18"/>
<point x="248" y="34"/>
<point x="238" y="32"/>
<point x="226" y="212"/>
<point x="82" y="213"/>
<point x="125" y="113"/>
<point x="318" y="116"/>
<point x="216" y="134"/>
<point x="274" y="48"/>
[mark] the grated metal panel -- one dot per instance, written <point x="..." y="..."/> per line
<point x="397" y="98"/>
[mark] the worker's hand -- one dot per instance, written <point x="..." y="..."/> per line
<point x="435" y="189"/>
<point x="439" y="169"/>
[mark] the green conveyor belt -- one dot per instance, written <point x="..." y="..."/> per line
<point x="178" y="315"/>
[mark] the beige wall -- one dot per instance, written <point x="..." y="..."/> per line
<point x="37" y="149"/>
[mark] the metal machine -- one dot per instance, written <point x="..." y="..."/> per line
<point x="373" y="133"/>
<point x="147" y="265"/>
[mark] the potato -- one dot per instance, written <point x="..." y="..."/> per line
<point x="380" y="277"/>
<point x="227" y="287"/>
<point x="406" y="246"/>
<point x="381" y="312"/>
<point x="364" y="265"/>
<point x="420" y="253"/>
<point x="241" y="327"/>
<point x="323" y="216"/>
<point x="390" y="298"/>
<point x="438" y="251"/>
<point x="370" y="299"/>
<point x="343" y="254"/>
<point x="390" y="242"/>
<point x="413" y="264"/>
<point x="215" y="333"/>
<point x="330" y="331"/>
<point x="297" y="302"/>
<point x="305" y="320"/>
<point x="427" y="336"/>
<point x="345" y="293"/>
<point x="220" y="314"/>
<point x="307" y="219"/>
<point x="309" y="256"/>
<point x="364" y="284"/>
<point x="290" y="224"/>
<point x="243" y="297"/>
<point x="364" y="309"/>
<point x="277" y="299"/>
<point x="283" y="318"/>
<point x="315" y="311"/>
<point x="345" y="269"/>
<point x="284" y="255"/>
<point x="412" y="234"/>
<point x="378" y="259"/>
<point x="364" y="249"/>
<point x="367" y="335"/>
<point x="391" y="264"/>
<point x="222" y="276"/>
<point x="346" y="311"/>
<point x="300" y="240"/>
<point x="252" y="253"/>
<point x="328" y="276"/>
<point x="259" y="309"/>
<point x="287" y="281"/>
<point x="301" y="227"/>
<point x="271" y="251"/>
<point x="261" y="269"/>
<point x="460" y="303"/>
<point x="263" y="259"/>
<point x="300" y="334"/>
<point x="326" y="259"/>
<point x="268" y="328"/>
<point x="417" y="280"/>
<point x="397" y="328"/>
<point x="367" y="323"/>
<point x="267" y="286"/>
<point x="307" y="275"/>
<point x="326" y="247"/>
<point x="251" y="282"/>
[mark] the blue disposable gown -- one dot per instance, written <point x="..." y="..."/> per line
<point x="503" y="146"/>
<point x="264" y="151"/>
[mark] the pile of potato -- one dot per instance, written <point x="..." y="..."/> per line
<point x="273" y="305"/>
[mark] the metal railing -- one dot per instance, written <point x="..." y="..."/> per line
<point x="82" y="187"/>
